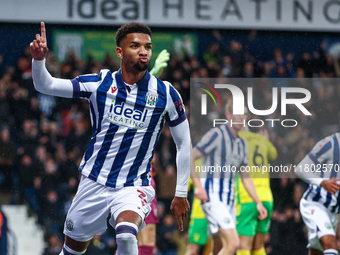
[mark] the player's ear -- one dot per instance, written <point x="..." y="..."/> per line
<point x="227" y="115"/>
<point x="119" y="52"/>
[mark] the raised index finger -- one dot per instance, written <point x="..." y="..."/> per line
<point x="180" y="223"/>
<point x="43" y="30"/>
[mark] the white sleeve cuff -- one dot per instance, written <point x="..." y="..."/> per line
<point x="180" y="193"/>
<point x="181" y="136"/>
<point x="39" y="62"/>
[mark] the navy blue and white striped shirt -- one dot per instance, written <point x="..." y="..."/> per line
<point x="324" y="161"/>
<point x="126" y="124"/>
<point x="220" y="149"/>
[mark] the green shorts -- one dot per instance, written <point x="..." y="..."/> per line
<point x="198" y="231"/>
<point x="248" y="223"/>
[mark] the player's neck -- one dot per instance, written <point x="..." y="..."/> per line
<point x="131" y="76"/>
<point x="233" y="131"/>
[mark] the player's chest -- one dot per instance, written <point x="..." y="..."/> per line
<point x="135" y="109"/>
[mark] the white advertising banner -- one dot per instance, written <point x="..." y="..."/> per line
<point x="316" y="15"/>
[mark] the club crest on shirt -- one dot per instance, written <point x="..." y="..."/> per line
<point x="151" y="98"/>
<point x="69" y="224"/>
<point x="327" y="225"/>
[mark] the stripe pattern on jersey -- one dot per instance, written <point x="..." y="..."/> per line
<point x="218" y="146"/>
<point x="126" y="126"/>
<point x="326" y="152"/>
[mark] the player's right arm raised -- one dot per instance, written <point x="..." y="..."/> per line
<point x="39" y="47"/>
<point x="43" y="81"/>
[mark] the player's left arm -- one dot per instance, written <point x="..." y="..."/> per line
<point x="180" y="205"/>
<point x="179" y="127"/>
<point x="250" y="188"/>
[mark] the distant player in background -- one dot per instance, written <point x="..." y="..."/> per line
<point x="252" y="230"/>
<point x="198" y="226"/>
<point x="222" y="147"/>
<point x="320" y="203"/>
<point x="198" y="229"/>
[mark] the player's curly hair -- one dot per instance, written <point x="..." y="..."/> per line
<point x="133" y="27"/>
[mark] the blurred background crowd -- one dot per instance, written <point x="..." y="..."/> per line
<point x="43" y="138"/>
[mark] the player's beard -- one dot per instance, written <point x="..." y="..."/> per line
<point x="141" y="67"/>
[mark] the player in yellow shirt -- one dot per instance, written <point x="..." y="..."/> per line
<point x="251" y="230"/>
<point x="198" y="226"/>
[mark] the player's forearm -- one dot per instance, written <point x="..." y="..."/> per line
<point x="196" y="154"/>
<point x="196" y="181"/>
<point x="181" y="136"/>
<point x="45" y="83"/>
<point x="195" y="178"/>
<point x="250" y="188"/>
<point x="307" y="176"/>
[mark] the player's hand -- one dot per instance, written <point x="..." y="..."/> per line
<point x="160" y="63"/>
<point x="180" y="208"/>
<point x="262" y="211"/>
<point x="39" y="46"/>
<point x="332" y="185"/>
<point x="201" y="194"/>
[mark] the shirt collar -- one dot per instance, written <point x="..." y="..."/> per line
<point x="143" y="83"/>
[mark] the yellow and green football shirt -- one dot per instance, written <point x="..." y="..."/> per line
<point x="198" y="226"/>
<point x="260" y="150"/>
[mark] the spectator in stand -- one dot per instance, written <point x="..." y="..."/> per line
<point x="52" y="212"/>
<point x="54" y="245"/>
<point x="7" y="154"/>
<point x="166" y="243"/>
<point x="69" y="174"/>
<point x="28" y="137"/>
<point x="1" y="66"/>
<point x="306" y="64"/>
<point x="27" y="172"/>
<point x="212" y="54"/>
<point x="34" y="113"/>
<point x="4" y="106"/>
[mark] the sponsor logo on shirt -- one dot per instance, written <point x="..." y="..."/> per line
<point x="123" y="115"/>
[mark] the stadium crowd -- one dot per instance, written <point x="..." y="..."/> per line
<point x="43" y="138"/>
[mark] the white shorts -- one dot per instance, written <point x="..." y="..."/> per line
<point x="93" y="202"/>
<point x="219" y="215"/>
<point x="319" y="222"/>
